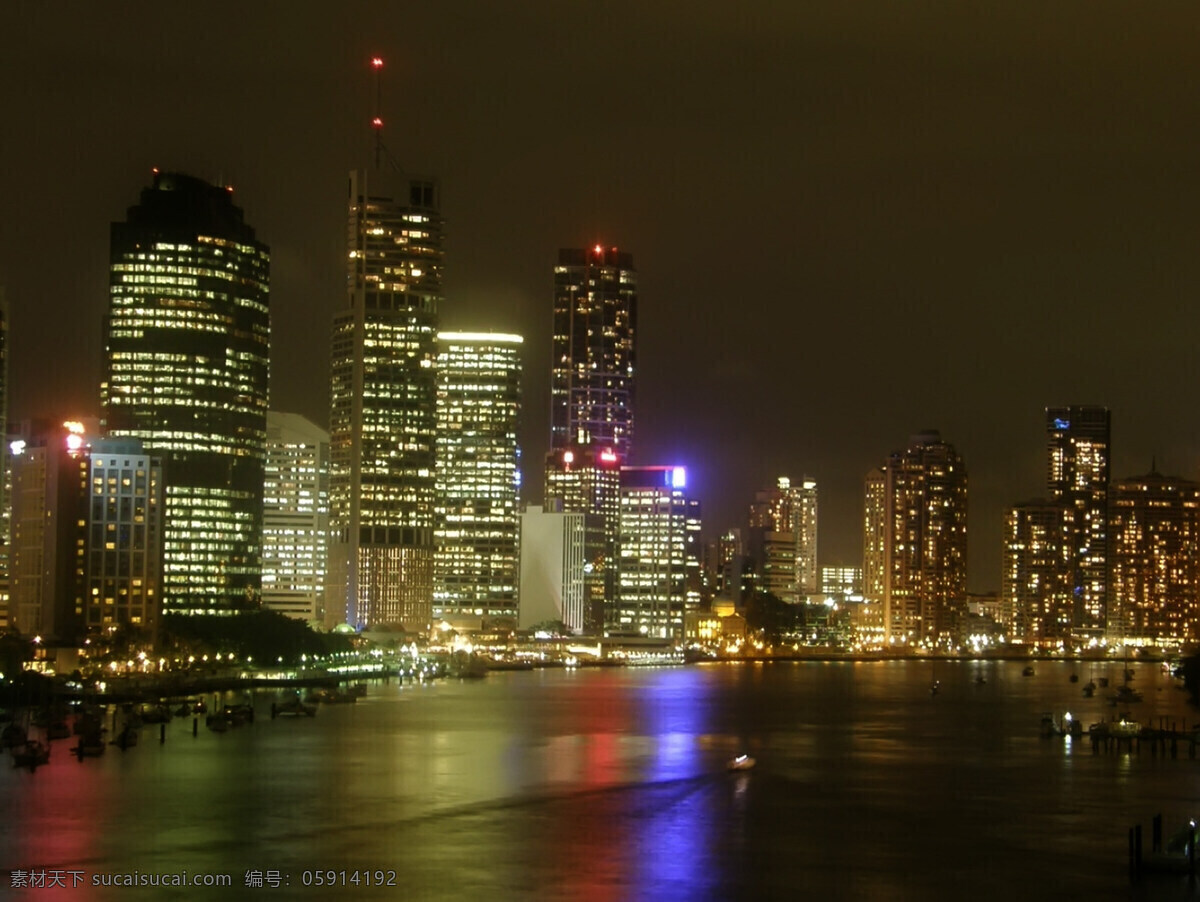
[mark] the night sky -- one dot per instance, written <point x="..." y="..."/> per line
<point x="851" y="221"/>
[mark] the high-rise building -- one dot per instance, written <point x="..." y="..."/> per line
<point x="383" y="397"/>
<point x="595" y="327"/>
<point x="557" y="550"/>
<point x="1155" y="530"/>
<point x="659" y="553"/>
<point x="295" y="516"/>
<point x="1077" y="477"/>
<point x="783" y="539"/>
<point x="187" y="339"/>
<point x="924" y="548"/>
<point x="477" y="531"/>
<point x="87" y="537"/>
<point x="1036" y="602"/>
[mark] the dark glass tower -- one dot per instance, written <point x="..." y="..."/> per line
<point x="187" y="338"/>
<point x="595" y="324"/>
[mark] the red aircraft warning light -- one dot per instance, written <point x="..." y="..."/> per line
<point x="376" y="62"/>
<point x="376" y="122"/>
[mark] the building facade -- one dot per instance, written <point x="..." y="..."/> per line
<point x="477" y="530"/>
<point x="595" y="350"/>
<point x="924" y="541"/>
<point x="187" y="341"/>
<point x="783" y="539"/>
<point x="1078" y="454"/>
<point x="1037" y="605"/>
<point x="1155" y="529"/>
<point x="87" y="536"/>
<point x="295" y="517"/>
<point x="659" y="554"/>
<point x="383" y="413"/>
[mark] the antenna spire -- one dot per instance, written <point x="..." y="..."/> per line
<point x="376" y="119"/>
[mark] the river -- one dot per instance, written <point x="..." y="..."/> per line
<point x="611" y="784"/>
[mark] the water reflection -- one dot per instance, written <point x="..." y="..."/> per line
<point x="610" y="785"/>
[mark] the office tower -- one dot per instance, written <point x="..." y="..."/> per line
<point x="1155" y="529"/>
<point x="924" y="547"/>
<point x="383" y="414"/>
<point x="87" y="533"/>
<point x="783" y="539"/>
<point x="594" y="353"/>
<point x="557" y="549"/>
<point x="1036" y="600"/>
<point x="592" y="391"/>
<point x="659" y="547"/>
<point x="1077" y="476"/>
<point x="477" y="530"/>
<point x="875" y="520"/>
<point x="187" y="338"/>
<point x="125" y="537"/>
<point x="295" y="516"/>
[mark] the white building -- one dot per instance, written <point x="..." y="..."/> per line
<point x="295" y="516"/>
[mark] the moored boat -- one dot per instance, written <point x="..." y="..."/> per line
<point x="30" y="754"/>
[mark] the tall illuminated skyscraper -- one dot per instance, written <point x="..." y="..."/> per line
<point x="591" y="396"/>
<point x="383" y="396"/>
<point x="659" y="566"/>
<point x="924" y="553"/>
<point x="187" y="338"/>
<point x="477" y="527"/>
<point x="295" y="516"/>
<point x="1155" y="527"/>
<point x="1078" y="454"/>
<point x="595" y="351"/>
<point x="1036" y="600"/>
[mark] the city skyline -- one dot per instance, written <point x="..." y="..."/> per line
<point x="849" y="225"/>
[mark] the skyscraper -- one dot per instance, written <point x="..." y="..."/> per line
<point x="1155" y="528"/>
<point x="383" y="396"/>
<point x="924" y="553"/>
<point x="1036" y="599"/>
<point x="477" y="528"/>
<point x="783" y="539"/>
<point x="659" y="565"/>
<point x="295" y="516"/>
<point x="591" y="397"/>
<point x="1078" y="454"/>
<point x="595" y="350"/>
<point x="187" y="338"/>
<point x="87" y="538"/>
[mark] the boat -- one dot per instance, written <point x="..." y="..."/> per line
<point x="293" y="707"/>
<point x="1090" y="689"/>
<point x="1125" y="695"/>
<point x="156" y="713"/>
<point x="30" y="754"/>
<point x="933" y="689"/>
<point x="980" y="680"/>
<point x="218" y="723"/>
<point x="127" y="738"/>
<point x="191" y="706"/>
<point x="332" y="696"/>
<point x="91" y="745"/>
<point x="13" y="735"/>
<point x="1074" y="678"/>
<point x="238" y="714"/>
<point x="741" y="762"/>
<point x="1028" y="671"/>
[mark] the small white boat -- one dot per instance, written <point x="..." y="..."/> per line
<point x="742" y="762"/>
